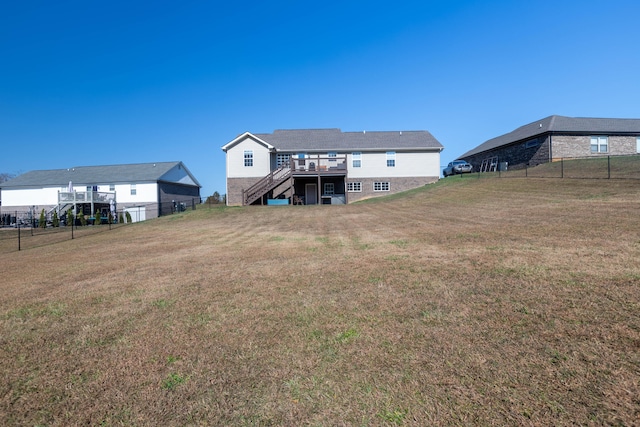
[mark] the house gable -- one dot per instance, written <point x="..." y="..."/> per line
<point x="248" y="157"/>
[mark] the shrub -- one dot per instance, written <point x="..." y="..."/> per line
<point x="55" y="221"/>
<point x="70" y="217"/>
<point x="128" y="217"/>
<point x="121" y="218"/>
<point x="43" y="220"/>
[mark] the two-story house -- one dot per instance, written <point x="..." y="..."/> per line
<point x="146" y="190"/>
<point x="327" y="166"/>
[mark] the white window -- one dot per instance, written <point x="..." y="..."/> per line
<point x="133" y="189"/>
<point x="332" y="156"/>
<point x="248" y="158"/>
<point x="599" y="144"/>
<point x="112" y="187"/>
<point x="380" y="186"/>
<point x="354" y="187"/>
<point x="282" y="159"/>
<point x="391" y="159"/>
<point x="356" y="160"/>
<point x="329" y="188"/>
<point x="89" y="188"/>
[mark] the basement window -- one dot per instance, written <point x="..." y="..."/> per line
<point x="354" y="187"/>
<point x="381" y="186"/>
<point x="329" y="188"/>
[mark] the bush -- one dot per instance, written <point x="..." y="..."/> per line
<point x="43" y="220"/>
<point x="128" y="217"/>
<point x="55" y="221"/>
<point x="70" y="217"/>
<point x="83" y="220"/>
<point x="121" y="218"/>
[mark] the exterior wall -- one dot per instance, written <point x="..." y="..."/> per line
<point x="12" y="198"/>
<point x="408" y="164"/>
<point x="396" y="185"/>
<point x="178" y="174"/>
<point x="235" y="187"/>
<point x="168" y="193"/>
<point x="565" y="146"/>
<point x="235" y="160"/>
<point x="517" y="155"/>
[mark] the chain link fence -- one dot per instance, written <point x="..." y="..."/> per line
<point x="605" y="167"/>
<point x="26" y="229"/>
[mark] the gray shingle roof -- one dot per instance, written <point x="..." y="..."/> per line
<point x="96" y="175"/>
<point x="335" y="140"/>
<point x="561" y="124"/>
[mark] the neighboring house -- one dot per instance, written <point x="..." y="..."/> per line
<point x="327" y="166"/>
<point x="146" y="190"/>
<point x="555" y="138"/>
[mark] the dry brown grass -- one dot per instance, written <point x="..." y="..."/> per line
<point x="484" y="302"/>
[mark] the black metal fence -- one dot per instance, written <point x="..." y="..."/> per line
<point x="604" y="167"/>
<point x="20" y="230"/>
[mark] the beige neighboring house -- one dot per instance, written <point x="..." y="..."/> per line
<point x="327" y="166"/>
<point x="554" y="138"/>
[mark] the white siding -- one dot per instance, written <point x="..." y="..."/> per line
<point x="31" y="197"/>
<point x="412" y="164"/>
<point x="145" y="193"/>
<point x="235" y="160"/>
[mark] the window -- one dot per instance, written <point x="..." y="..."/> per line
<point x="380" y="186"/>
<point x="599" y="144"/>
<point x="329" y="188"/>
<point x="356" y="159"/>
<point x="532" y="143"/>
<point x="282" y="159"/>
<point x="133" y="189"/>
<point x="89" y="188"/>
<point x="112" y="187"/>
<point x="391" y="159"/>
<point x="248" y="158"/>
<point x="332" y="156"/>
<point x="354" y="187"/>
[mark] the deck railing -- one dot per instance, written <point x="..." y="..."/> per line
<point x="319" y="164"/>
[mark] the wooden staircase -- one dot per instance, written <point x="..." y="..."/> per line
<point x="266" y="184"/>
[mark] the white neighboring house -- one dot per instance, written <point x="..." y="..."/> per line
<point x="327" y="166"/>
<point x="146" y="190"/>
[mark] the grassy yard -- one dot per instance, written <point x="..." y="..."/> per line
<point x="467" y="302"/>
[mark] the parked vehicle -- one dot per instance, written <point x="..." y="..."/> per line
<point x="457" y="166"/>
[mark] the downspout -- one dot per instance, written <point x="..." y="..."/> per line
<point x="550" y="149"/>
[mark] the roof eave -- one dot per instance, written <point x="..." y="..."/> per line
<point x="243" y="136"/>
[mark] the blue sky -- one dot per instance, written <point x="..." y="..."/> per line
<point x="86" y="83"/>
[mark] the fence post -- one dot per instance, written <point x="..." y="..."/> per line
<point x="18" y="225"/>
<point x="562" y="167"/>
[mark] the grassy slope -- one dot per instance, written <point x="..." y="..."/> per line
<point x="466" y="302"/>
